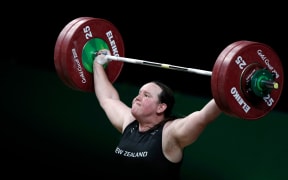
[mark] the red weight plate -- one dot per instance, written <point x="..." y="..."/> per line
<point x="73" y="44"/>
<point x="64" y="59"/>
<point x="58" y="51"/>
<point x="225" y="78"/>
<point x="216" y="78"/>
<point x="235" y="64"/>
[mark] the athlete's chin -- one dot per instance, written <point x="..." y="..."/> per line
<point x="135" y="111"/>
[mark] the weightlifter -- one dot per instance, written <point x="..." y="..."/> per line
<point x="152" y="140"/>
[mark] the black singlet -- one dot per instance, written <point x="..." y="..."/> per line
<point x="141" y="153"/>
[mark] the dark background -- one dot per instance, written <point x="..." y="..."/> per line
<point x="49" y="129"/>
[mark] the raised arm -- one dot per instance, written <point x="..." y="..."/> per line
<point x="185" y="131"/>
<point x="108" y="97"/>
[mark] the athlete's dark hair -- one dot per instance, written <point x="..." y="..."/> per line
<point x="167" y="97"/>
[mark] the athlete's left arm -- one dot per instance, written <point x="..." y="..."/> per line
<point x="186" y="130"/>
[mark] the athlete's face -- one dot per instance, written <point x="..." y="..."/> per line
<point x="147" y="103"/>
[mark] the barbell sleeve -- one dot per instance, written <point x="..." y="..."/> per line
<point x="159" y="65"/>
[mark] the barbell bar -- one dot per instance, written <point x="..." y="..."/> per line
<point x="159" y="65"/>
<point x="246" y="80"/>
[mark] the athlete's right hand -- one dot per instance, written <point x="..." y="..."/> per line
<point x="101" y="56"/>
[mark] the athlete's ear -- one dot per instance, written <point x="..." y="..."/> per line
<point x="161" y="107"/>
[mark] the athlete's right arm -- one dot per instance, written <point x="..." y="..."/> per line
<point x="108" y="97"/>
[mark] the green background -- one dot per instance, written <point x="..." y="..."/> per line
<point x="49" y="130"/>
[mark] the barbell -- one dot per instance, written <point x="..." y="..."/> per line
<point x="246" y="79"/>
